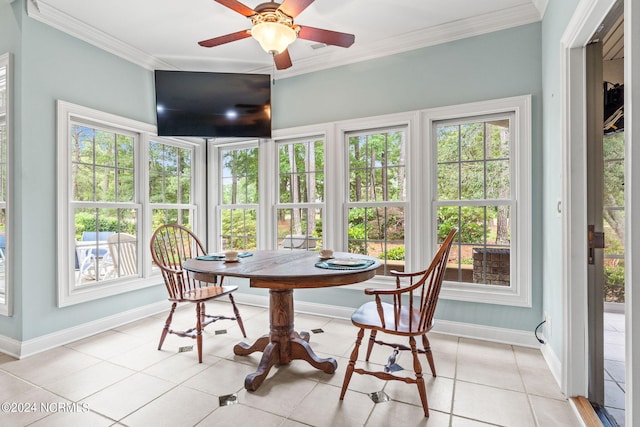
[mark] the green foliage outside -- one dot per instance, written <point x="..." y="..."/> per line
<point x="614" y="283"/>
<point x="393" y="254"/>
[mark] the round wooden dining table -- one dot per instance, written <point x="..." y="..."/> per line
<point x="281" y="272"/>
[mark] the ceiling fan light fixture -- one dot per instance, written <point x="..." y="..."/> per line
<point x="273" y="36"/>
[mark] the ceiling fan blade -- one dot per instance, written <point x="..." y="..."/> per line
<point x="216" y="41"/>
<point x="293" y="8"/>
<point x="333" y="38"/>
<point x="238" y="7"/>
<point x="282" y="60"/>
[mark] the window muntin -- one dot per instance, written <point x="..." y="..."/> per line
<point x="171" y="181"/>
<point x="103" y="199"/>
<point x="109" y="167"/>
<point x="238" y="198"/>
<point x="301" y="194"/>
<point x="474" y="176"/>
<point x="377" y="195"/>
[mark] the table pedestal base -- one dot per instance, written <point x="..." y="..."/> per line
<point x="283" y="344"/>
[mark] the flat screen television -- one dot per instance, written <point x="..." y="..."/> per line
<point x="210" y="105"/>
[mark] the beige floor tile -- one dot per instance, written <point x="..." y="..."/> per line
<point x="465" y="422"/>
<point x="84" y="383"/>
<point x="492" y="405"/>
<point x="323" y="408"/>
<point x="181" y="366"/>
<point x="127" y="381"/>
<point x="240" y="415"/>
<point x="106" y="344"/>
<point x="128" y="395"/>
<point x="13" y="386"/>
<point x="386" y="414"/>
<point x="552" y="412"/>
<point x="141" y="357"/>
<point x="439" y="393"/>
<point x="179" y="407"/>
<point x="279" y="394"/>
<point x="479" y="361"/>
<point x="79" y="418"/>
<point x="222" y="378"/>
<point x="29" y="406"/>
<point x="50" y="366"/>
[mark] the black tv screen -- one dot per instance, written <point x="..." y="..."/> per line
<point x="209" y="105"/>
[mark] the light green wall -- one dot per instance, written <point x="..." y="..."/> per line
<point x="55" y="66"/>
<point x="10" y="22"/>
<point x="553" y="26"/>
<point x="496" y="65"/>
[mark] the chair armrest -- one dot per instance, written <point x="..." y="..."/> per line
<point x="396" y="291"/>
<point x="406" y="274"/>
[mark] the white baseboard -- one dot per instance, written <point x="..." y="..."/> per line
<point x="553" y="362"/>
<point x="33" y="346"/>
<point x="22" y="349"/>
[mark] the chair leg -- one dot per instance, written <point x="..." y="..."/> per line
<point x="236" y="312"/>
<point x="199" y="314"/>
<point x="167" y="324"/>
<point x="417" y="368"/>
<point x="372" y="339"/>
<point x="429" y="354"/>
<point x="352" y="364"/>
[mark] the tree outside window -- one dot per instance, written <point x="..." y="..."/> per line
<point x="377" y="196"/>
<point x="474" y="194"/>
<point x="239" y="198"/>
<point x="103" y="197"/>
<point x="301" y="194"/>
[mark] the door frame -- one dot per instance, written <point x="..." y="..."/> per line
<point x="574" y="377"/>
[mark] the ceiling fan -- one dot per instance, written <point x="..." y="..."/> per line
<point x="273" y="27"/>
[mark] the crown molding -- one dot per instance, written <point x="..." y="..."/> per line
<point x="452" y="31"/>
<point x="541" y="5"/>
<point x="53" y="17"/>
<point x="333" y="57"/>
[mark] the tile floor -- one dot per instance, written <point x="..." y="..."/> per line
<point x="118" y="378"/>
<point x="614" y="370"/>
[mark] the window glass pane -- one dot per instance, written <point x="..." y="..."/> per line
<point x="377" y="167"/>
<point x="301" y="167"/>
<point x="471" y="181"/>
<point x="448" y="144"/>
<point x="498" y="138"/>
<point x="240" y="176"/>
<point x="94" y="262"/>
<point x="171" y="216"/>
<point x="498" y="179"/>
<point x="299" y="228"/>
<point x="239" y="229"/>
<point x="378" y="232"/>
<point x="481" y="253"/>
<point x="101" y="165"/>
<point x="472" y="141"/>
<point x="169" y="173"/>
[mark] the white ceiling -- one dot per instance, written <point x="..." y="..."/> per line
<point x="163" y="34"/>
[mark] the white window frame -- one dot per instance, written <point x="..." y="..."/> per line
<point x="68" y="292"/>
<point x="215" y="191"/>
<point x="197" y="182"/>
<point x="340" y="197"/>
<point x="305" y="205"/>
<point x="6" y="308"/>
<point x="519" y="293"/>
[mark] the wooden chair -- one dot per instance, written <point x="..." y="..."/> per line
<point x="123" y="249"/>
<point x="409" y="315"/>
<point x="171" y="245"/>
